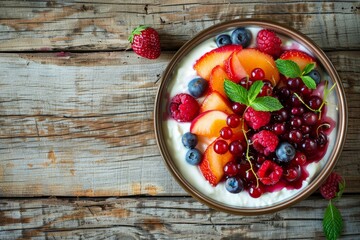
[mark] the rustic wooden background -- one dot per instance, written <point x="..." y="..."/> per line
<point x="78" y="157"/>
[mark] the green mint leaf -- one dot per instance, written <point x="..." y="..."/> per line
<point x="332" y="222"/>
<point x="288" y="68"/>
<point x="266" y="104"/>
<point x="254" y="90"/>
<point x="341" y="190"/>
<point x="309" y="82"/>
<point x="236" y="92"/>
<point x="308" y="68"/>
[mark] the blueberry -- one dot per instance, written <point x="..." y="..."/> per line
<point x="241" y="36"/>
<point x="197" y="87"/>
<point x="285" y="152"/>
<point x="193" y="156"/>
<point x="234" y="185"/>
<point x="189" y="140"/>
<point x="223" y="40"/>
<point x="314" y="74"/>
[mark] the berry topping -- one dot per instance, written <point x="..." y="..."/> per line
<point x="234" y="185"/>
<point x="183" y="107"/>
<point x="256" y="192"/>
<point x="265" y="142"/>
<point x="268" y="42"/>
<point x="197" y="87"/>
<point x="238" y="108"/>
<point x="331" y="186"/>
<point x="223" y="40"/>
<point x="292" y="174"/>
<point x="236" y="148"/>
<point x="257" y="74"/>
<point x="241" y="36"/>
<point x="231" y="169"/>
<point x="256" y="119"/>
<point x="226" y="133"/>
<point x="193" y="156"/>
<point x="189" y="140"/>
<point x="314" y="74"/>
<point x="221" y="146"/>
<point x="300" y="158"/>
<point x="285" y="152"/>
<point x="233" y="121"/>
<point x="145" y="42"/>
<point x="269" y="173"/>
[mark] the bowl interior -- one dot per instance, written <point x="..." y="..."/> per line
<point x="175" y="79"/>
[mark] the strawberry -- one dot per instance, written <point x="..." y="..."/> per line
<point x="301" y="58"/>
<point x="268" y="42"/>
<point x="205" y="64"/>
<point x="145" y="42"/>
<point x="212" y="165"/>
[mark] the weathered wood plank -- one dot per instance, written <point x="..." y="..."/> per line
<point x="85" y="121"/>
<point x="92" y="25"/>
<point x="165" y="218"/>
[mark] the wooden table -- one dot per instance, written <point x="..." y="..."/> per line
<point x="78" y="157"/>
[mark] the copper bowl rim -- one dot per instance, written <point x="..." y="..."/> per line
<point x="342" y="121"/>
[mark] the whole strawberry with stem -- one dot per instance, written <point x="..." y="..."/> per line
<point x="145" y="42"/>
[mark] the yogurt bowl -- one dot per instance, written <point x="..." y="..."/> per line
<point x="268" y="182"/>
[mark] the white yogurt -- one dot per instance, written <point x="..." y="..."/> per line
<point x="174" y="130"/>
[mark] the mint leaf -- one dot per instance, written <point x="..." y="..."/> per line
<point x="254" y="90"/>
<point x="309" y="82"/>
<point x="288" y="68"/>
<point x="266" y="104"/>
<point x="332" y="223"/>
<point x="236" y="92"/>
<point x="308" y="68"/>
<point x="341" y="190"/>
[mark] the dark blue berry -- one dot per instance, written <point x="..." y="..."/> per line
<point x="193" y="156"/>
<point x="285" y="152"/>
<point x="189" y="140"/>
<point x="223" y="40"/>
<point x="314" y="74"/>
<point x="234" y="185"/>
<point x="197" y="87"/>
<point x="241" y="36"/>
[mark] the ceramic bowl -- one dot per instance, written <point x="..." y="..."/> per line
<point x="172" y="151"/>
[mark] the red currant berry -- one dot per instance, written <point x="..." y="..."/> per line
<point x="279" y="128"/>
<point x="297" y="111"/>
<point x="305" y="91"/>
<point x="305" y="129"/>
<point x="231" y="169"/>
<point x="265" y="91"/>
<point x="292" y="174"/>
<point x="233" y="121"/>
<point x="295" y="101"/>
<point x="221" y="146"/>
<point x="310" y="118"/>
<point x="257" y="74"/>
<point x="295" y="136"/>
<point x="309" y="146"/>
<point x="315" y="102"/>
<point x="226" y="133"/>
<point x="294" y="83"/>
<point x="238" y="108"/>
<point x="295" y="122"/>
<point x="300" y="158"/>
<point x="255" y="192"/>
<point x="236" y="148"/>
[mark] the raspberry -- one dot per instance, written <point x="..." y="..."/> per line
<point x="184" y="108"/>
<point x="269" y="173"/>
<point x="331" y="186"/>
<point x="256" y="119"/>
<point x="265" y="142"/>
<point x="268" y="42"/>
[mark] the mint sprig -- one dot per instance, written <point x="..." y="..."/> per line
<point x="290" y="69"/>
<point x="332" y="222"/>
<point x="249" y="97"/>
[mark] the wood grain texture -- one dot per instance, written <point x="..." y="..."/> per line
<point x="164" y="218"/>
<point x="93" y="25"/>
<point x="80" y="124"/>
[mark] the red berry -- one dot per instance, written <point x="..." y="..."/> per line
<point x="256" y="119"/>
<point x="238" y="108"/>
<point x="310" y="118"/>
<point x="184" y="108"/>
<point x="300" y="158"/>
<point x="265" y="91"/>
<point x="236" y="148"/>
<point x="268" y="42"/>
<point x="331" y="186"/>
<point x="269" y="173"/>
<point x="256" y="192"/>
<point x="279" y="128"/>
<point x="233" y="121"/>
<point x="294" y="83"/>
<point x="295" y="136"/>
<point x="231" y="169"/>
<point x="226" y="133"/>
<point x="315" y="102"/>
<point x="265" y="142"/>
<point x="257" y="74"/>
<point x="292" y="174"/>
<point x="145" y="42"/>
<point x="221" y="147"/>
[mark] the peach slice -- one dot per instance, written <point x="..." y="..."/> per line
<point x="215" y="101"/>
<point x="234" y="69"/>
<point x="252" y="58"/>
<point x="209" y="124"/>
<point x="217" y="78"/>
